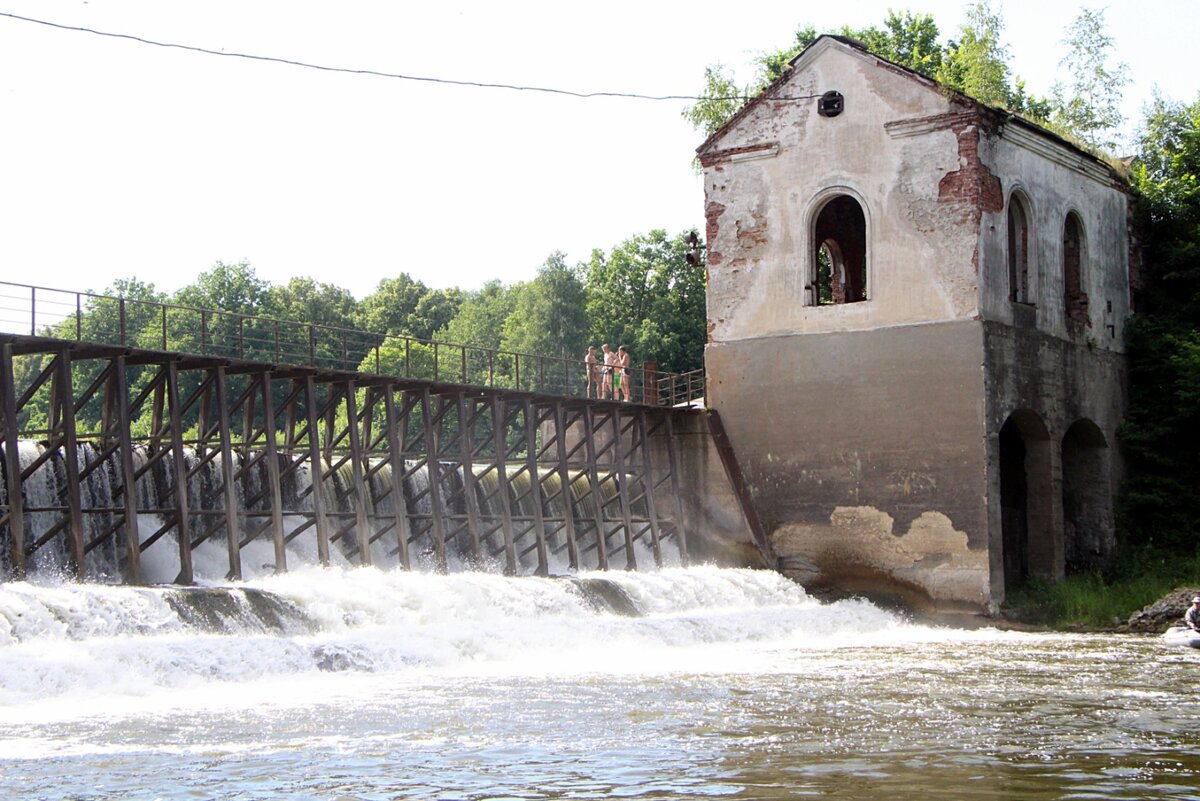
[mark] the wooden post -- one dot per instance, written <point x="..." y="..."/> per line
<point x="274" y="492"/>
<point x="564" y="472"/>
<point x="433" y="472"/>
<point x="594" y="479"/>
<point x="316" y="471"/>
<point x="396" y="455"/>
<point x="623" y="479"/>
<point x="229" y="490"/>
<point x="362" y="525"/>
<point x="467" y="451"/>
<point x="536" y="498"/>
<point x="12" y="464"/>
<point x="179" y="467"/>
<point x="499" y="419"/>
<point x="65" y="415"/>
<point x="119" y="388"/>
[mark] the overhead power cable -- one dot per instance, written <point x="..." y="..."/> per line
<point x="379" y="73"/>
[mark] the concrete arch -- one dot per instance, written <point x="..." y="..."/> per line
<point x="1087" y="497"/>
<point x="838" y="215"/>
<point x="1020" y="248"/>
<point x="1031" y="542"/>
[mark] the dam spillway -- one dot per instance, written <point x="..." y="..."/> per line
<point x="124" y="460"/>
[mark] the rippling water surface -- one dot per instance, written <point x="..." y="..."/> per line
<point x="724" y="684"/>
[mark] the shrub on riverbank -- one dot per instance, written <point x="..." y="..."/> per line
<point x="1104" y="600"/>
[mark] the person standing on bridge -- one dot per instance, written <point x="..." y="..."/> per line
<point x="622" y="369"/>
<point x="606" y="372"/>
<point x="593" y="373"/>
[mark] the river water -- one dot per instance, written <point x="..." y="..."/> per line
<point x="697" y="683"/>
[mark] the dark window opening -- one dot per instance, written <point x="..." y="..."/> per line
<point x="1075" y="300"/>
<point x="1018" y="252"/>
<point x="840" y="258"/>
<point x="831" y="104"/>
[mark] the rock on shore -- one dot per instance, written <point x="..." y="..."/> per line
<point x="1163" y="613"/>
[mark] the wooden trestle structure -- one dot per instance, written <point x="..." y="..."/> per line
<point x="611" y="467"/>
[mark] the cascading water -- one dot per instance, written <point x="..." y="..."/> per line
<point x="357" y="684"/>
<point x="44" y="492"/>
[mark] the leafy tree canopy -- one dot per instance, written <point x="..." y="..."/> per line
<point x="975" y="61"/>
<point x="1161" y="432"/>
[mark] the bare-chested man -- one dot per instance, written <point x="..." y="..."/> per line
<point x="593" y="372"/>
<point x="622" y="369"/>
<point x="606" y="372"/>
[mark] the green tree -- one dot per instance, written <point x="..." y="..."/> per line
<point x="644" y="295"/>
<point x="549" y="316"/>
<point x="910" y="40"/>
<point x="389" y="309"/>
<point x="331" y="310"/>
<point x="1090" y="105"/>
<point x="907" y="39"/>
<point x="434" y="311"/>
<point x="977" y="62"/>
<point x="1161" y="432"/>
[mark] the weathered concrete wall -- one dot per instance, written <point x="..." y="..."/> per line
<point x="1062" y="383"/>
<point x="870" y="430"/>
<point x="715" y="525"/>
<point x="891" y="150"/>
<point x="865" y="454"/>
<point x="713" y="521"/>
<point x="1055" y="181"/>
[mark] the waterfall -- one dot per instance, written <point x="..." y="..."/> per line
<point x="102" y="513"/>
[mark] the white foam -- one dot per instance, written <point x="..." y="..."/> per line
<point x="70" y="649"/>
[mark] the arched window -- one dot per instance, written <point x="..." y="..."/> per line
<point x="839" y="271"/>
<point x="1019" y="290"/>
<point x="1075" y="300"/>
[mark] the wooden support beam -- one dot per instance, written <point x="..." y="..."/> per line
<point x="274" y="491"/>
<point x="536" y="497"/>
<point x="499" y="426"/>
<point x="568" y="497"/>
<point x="362" y="526"/>
<point x="229" y="489"/>
<point x="117" y="398"/>
<point x="316" y="471"/>
<point x="589" y="442"/>
<point x="433" y="473"/>
<point x="15" y="513"/>
<point x="64" y="412"/>
<point x="466" y="429"/>
<point x="624" y="479"/>
<point x="179" y="468"/>
<point x="396" y="456"/>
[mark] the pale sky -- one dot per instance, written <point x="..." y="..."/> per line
<point x="120" y="159"/>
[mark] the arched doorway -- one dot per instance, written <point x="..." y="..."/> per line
<point x="1026" y="502"/>
<point x="1087" y="500"/>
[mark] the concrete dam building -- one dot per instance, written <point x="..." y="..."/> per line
<point x="915" y="308"/>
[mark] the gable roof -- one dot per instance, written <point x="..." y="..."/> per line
<point x="773" y="91"/>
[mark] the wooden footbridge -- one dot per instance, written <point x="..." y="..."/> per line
<point x="132" y="428"/>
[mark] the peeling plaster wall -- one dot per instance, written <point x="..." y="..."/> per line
<point x="890" y="149"/>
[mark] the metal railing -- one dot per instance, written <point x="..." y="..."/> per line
<point x="107" y="320"/>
